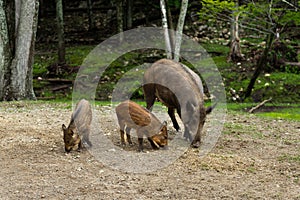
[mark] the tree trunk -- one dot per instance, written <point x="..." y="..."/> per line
<point x="171" y="26"/>
<point x="129" y="14"/>
<point x="120" y="14"/>
<point x="184" y="4"/>
<point x="5" y="53"/>
<point x="260" y="64"/>
<point x="90" y="14"/>
<point x="165" y="28"/>
<point x="60" y="32"/>
<point x="18" y="30"/>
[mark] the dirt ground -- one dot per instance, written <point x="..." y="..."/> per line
<point x="255" y="158"/>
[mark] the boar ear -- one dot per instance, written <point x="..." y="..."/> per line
<point x="210" y="108"/>
<point x="164" y="123"/>
<point x="64" y="127"/>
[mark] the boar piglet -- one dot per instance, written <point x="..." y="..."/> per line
<point x="132" y="115"/>
<point x="79" y="127"/>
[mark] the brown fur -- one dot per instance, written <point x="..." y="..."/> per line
<point x="79" y="126"/>
<point x="179" y="88"/>
<point x="132" y="115"/>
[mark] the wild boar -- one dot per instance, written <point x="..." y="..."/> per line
<point x="79" y="127"/>
<point x="177" y="87"/>
<point x="132" y="115"/>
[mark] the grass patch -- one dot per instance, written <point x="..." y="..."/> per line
<point x="276" y="111"/>
<point x="239" y="129"/>
<point x="290" y="113"/>
<point x="290" y="158"/>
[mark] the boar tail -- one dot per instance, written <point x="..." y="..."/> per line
<point x="210" y="108"/>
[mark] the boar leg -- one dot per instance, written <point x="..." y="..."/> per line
<point x="127" y="130"/>
<point x="122" y="137"/>
<point x="187" y="134"/>
<point x="141" y="148"/>
<point x="149" y="93"/>
<point x="86" y="137"/>
<point x="140" y="140"/>
<point x="79" y="146"/>
<point x="122" y="126"/>
<point x="171" y="112"/>
<point x="197" y="140"/>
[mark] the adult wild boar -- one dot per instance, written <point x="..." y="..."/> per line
<point x="132" y="115"/>
<point x="177" y="87"/>
<point x="79" y="127"/>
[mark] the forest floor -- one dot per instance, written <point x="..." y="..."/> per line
<point x="254" y="158"/>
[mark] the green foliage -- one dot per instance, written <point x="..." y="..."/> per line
<point x="292" y="17"/>
<point x="174" y="3"/>
<point x="266" y="16"/>
<point x="212" y="8"/>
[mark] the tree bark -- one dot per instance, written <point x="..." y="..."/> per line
<point x="178" y="38"/>
<point x="5" y="53"/>
<point x="60" y="32"/>
<point x="18" y="30"/>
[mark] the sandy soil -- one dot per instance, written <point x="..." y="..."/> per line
<point x="255" y="158"/>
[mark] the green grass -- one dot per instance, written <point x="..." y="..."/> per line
<point x="283" y="110"/>
<point x="286" y="113"/>
<point x="216" y="48"/>
<point x="289" y="158"/>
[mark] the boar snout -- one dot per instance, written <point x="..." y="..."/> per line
<point x="71" y="139"/>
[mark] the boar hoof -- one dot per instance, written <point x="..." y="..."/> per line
<point x="131" y="144"/>
<point x="123" y="144"/>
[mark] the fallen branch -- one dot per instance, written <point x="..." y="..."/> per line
<point x="56" y="80"/>
<point x="46" y="98"/>
<point x="259" y="105"/>
<point x="62" y="87"/>
<point x="292" y="63"/>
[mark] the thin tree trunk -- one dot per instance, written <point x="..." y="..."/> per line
<point x="90" y="14"/>
<point x="179" y="29"/>
<point x="171" y="27"/>
<point x="262" y="60"/>
<point x="235" y="53"/>
<point x="260" y="65"/>
<point x="120" y="14"/>
<point x="165" y="28"/>
<point x="129" y="14"/>
<point x="60" y="32"/>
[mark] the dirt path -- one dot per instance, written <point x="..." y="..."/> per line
<point x="255" y="158"/>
